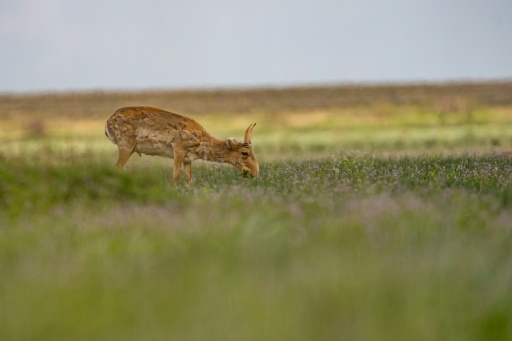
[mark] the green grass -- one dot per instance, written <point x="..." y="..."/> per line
<point x="350" y="246"/>
<point x="380" y="213"/>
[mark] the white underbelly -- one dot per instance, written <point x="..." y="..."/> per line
<point x="189" y="157"/>
<point x="160" y="149"/>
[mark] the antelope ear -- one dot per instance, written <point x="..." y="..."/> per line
<point x="231" y="143"/>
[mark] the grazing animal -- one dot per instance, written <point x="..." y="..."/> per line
<point x="154" y="131"/>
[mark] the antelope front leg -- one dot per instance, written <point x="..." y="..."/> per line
<point x="188" y="171"/>
<point x="178" y="160"/>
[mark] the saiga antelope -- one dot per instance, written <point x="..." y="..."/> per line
<point x="154" y="131"/>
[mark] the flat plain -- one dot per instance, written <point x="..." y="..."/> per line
<point x="381" y="213"/>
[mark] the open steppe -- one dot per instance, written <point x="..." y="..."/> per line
<point x="381" y="213"/>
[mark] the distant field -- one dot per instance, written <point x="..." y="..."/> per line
<point x="302" y="122"/>
<point x="381" y="213"/>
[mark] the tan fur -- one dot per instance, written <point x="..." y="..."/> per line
<point x="152" y="131"/>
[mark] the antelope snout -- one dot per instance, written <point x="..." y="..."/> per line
<point x="247" y="172"/>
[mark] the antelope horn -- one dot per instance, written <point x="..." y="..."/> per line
<point x="248" y="133"/>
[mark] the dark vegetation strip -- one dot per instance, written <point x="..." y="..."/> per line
<point x="444" y="97"/>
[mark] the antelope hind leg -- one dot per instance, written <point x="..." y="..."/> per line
<point x="124" y="155"/>
<point x="188" y="171"/>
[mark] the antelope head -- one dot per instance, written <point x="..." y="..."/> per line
<point x="241" y="155"/>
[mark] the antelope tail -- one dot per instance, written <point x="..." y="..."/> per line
<point x="107" y="134"/>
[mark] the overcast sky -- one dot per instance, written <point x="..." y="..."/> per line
<point x="59" y="45"/>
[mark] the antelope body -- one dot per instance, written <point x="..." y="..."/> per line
<point x="152" y="131"/>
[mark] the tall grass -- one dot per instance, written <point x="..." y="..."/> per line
<point x="351" y="246"/>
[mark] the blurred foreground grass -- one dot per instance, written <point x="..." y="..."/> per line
<point x="328" y="243"/>
<point x="347" y="247"/>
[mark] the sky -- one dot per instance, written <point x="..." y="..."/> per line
<point x="73" y="45"/>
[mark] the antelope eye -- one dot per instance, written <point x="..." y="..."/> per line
<point x="245" y="153"/>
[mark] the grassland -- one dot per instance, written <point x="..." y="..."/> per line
<point x="381" y="213"/>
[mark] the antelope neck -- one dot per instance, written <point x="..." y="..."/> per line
<point x="217" y="151"/>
